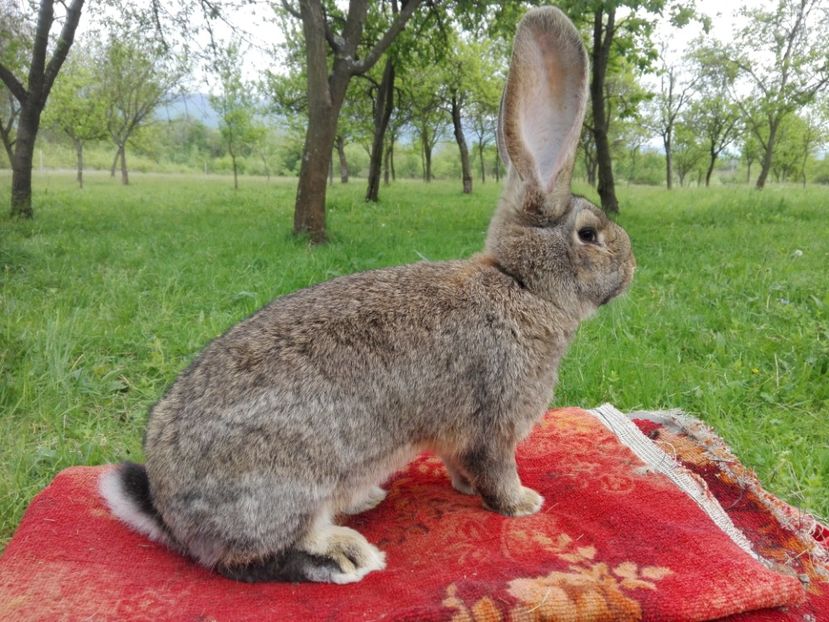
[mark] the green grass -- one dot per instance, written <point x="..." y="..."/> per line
<point x="110" y="291"/>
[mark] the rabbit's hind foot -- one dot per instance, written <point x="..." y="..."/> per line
<point x="345" y="556"/>
<point x="327" y="554"/>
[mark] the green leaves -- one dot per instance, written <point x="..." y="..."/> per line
<point x="77" y="104"/>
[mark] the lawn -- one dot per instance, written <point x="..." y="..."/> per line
<point x="110" y="291"/>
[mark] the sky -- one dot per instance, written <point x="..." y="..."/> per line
<point x="724" y="20"/>
<point x="723" y="13"/>
<point x="255" y="23"/>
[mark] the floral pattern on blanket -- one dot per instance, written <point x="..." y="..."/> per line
<point x="588" y="589"/>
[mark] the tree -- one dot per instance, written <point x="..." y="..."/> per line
<point x="668" y="102"/>
<point x="749" y="149"/>
<point x="604" y="30"/>
<point x="425" y="97"/>
<point x="289" y="95"/>
<point x="235" y="107"/>
<point x="627" y="39"/>
<point x="400" y="118"/>
<point x="326" y="30"/>
<point x="623" y="96"/>
<point x="716" y="120"/>
<point x="781" y="53"/>
<point x="76" y="106"/>
<point x="485" y="97"/>
<point x="383" y="106"/>
<point x="631" y="137"/>
<point x="356" y="123"/>
<point x="138" y="74"/>
<point x="462" y="70"/>
<point x="798" y="140"/>
<point x="45" y="58"/>
<point x="815" y="133"/>
<point x="425" y="35"/>
<point x="713" y="115"/>
<point x="689" y="152"/>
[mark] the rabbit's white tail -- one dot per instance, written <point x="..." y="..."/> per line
<point x="126" y="490"/>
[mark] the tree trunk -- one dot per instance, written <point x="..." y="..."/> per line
<point x="24" y="152"/>
<point x="427" y="162"/>
<point x="601" y="57"/>
<point x="423" y="158"/>
<point x="235" y="171"/>
<point x="383" y="106"/>
<point x="309" y="216"/>
<point x="79" y="154"/>
<point x="669" y="173"/>
<point x="115" y="160"/>
<point x="41" y="76"/>
<point x="466" y="169"/>
<point x="391" y="159"/>
<point x="125" y="178"/>
<point x="481" y="162"/>
<point x="265" y="166"/>
<point x="590" y="165"/>
<point x="497" y="168"/>
<point x="325" y="99"/>
<point x="765" y="167"/>
<point x="326" y="92"/>
<point x="339" y="143"/>
<point x="5" y="132"/>
<point x="710" y="170"/>
<point x="386" y="165"/>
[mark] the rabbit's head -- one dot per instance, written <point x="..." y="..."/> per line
<point x="560" y="246"/>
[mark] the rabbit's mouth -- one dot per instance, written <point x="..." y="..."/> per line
<point x="620" y="289"/>
<point x="612" y="295"/>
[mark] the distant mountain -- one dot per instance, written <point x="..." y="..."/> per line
<point x="193" y="105"/>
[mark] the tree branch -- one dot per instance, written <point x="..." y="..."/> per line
<point x="67" y="36"/>
<point x="334" y="42"/>
<point x="45" y="17"/>
<point x="355" y="20"/>
<point x="748" y="69"/>
<point x="13" y="84"/>
<point x="376" y="52"/>
<point x="291" y="10"/>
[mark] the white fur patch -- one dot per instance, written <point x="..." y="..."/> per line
<point x="341" y="544"/>
<point x="375" y="559"/>
<point x="111" y="488"/>
<point x="364" y="500"/>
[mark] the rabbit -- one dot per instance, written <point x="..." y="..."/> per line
<point x="299" y="413"/>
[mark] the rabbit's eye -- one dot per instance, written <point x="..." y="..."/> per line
<point x="588" y="235"/>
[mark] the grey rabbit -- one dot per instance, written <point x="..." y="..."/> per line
<point x="298" y="414"/>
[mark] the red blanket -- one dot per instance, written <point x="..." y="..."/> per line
<point x="616" y="540"/>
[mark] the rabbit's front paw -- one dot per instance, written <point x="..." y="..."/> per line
<point x="530" y="502"/>
<point x="526" y="502"/>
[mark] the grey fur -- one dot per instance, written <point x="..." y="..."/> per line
<point x="300" y="411"/>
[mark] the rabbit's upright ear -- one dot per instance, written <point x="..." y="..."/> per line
<point x="543" y="105"/>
